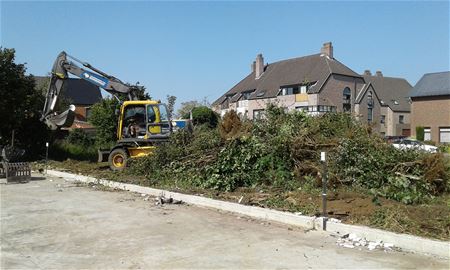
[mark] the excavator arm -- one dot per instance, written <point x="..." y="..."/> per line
<point x="61" y="68"/>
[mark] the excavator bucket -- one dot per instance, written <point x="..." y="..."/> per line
<point x="64" y="119"/>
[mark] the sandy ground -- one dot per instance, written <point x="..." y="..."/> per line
<point x="52" y="223"/>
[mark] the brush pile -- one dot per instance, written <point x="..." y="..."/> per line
<point x="282" y="151"/>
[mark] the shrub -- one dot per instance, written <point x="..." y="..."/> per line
<point x="420" y="133"/>
<point x="407" y="176"/>
<point x="204" y="115"/>
<point x="282" y="151"/>
<point x="104" y="118"/>
<point x="232" y="126"/>
<point x="62" y="150"/>
<point x="79" y="137"/>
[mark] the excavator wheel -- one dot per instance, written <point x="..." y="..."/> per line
<point x="118" y="159"/>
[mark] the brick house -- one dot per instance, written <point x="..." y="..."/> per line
<point x="317" y="84"/>
<point x="395" y="108"/>
<point x="430" y="106"/>
<point x="80" y="93"/>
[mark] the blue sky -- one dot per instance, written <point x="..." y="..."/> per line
<point x="201" y="49"/>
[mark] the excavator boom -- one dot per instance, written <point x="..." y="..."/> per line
<point x="61" y="68"/>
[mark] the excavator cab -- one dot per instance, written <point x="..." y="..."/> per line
<point x="147" y="120"/>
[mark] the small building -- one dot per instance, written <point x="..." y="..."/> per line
<point x="394" y="101"/>
<point x="80" y="93"/>
<point x="430" y="106"/>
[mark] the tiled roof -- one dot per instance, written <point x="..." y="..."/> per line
<point x="312" y="69"/>
<point x="432" y="84"/>
<point x="393" y="92"/>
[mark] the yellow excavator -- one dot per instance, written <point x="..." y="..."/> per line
<point x="142" y="124"/>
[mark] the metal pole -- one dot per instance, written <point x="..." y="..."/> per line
<point x="46" y="156"/>
<point x="324" y="190"/>
<point x="12" y="139"/>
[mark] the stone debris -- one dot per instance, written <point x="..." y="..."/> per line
<point x="160" y="200"/>
<point x="334" y="220"/>
<point x="351" y="240"/>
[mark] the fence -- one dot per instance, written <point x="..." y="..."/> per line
<point x="15" y="172"/>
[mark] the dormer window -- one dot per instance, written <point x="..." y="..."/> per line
<point x="346" y="96"/>
<point x="293" y="90"/>
<point x="246" y="95"/>
<point x="261" y="93"/>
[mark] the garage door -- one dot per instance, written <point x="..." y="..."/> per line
<point x="444" y="135"/>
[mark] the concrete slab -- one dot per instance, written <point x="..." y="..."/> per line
<point x="403" y="241"/>
<point x="53" y="223"/>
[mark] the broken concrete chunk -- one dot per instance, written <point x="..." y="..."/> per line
<point x="162" y="200"/>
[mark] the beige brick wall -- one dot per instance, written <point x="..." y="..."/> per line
<point x="432" y="112"/>
<point x="392" y="126"/>
<point x="361" y="110"/>
<point x="332" y="91"/>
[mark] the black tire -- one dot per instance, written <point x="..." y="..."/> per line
<point x="118" y="159"/>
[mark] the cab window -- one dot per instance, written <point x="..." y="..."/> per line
<point x="151" y="115"/>
<point x="163" y="113"/>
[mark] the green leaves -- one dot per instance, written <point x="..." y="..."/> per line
<point x="104" y="119"/>
<point x="20" y="106"/>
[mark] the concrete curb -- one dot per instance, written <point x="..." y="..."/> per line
<point x="403" y="241"/>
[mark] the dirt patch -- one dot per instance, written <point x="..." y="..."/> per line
<point x="350" y="205"/>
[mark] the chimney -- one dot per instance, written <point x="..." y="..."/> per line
<point x="379" y="74"/>
<point x="259" y="66"/>
<point x="253" y="66"/>
<point x="327" y="49"/>
<point x="367" y="72"/>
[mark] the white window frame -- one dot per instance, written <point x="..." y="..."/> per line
<point x="427" y="134"/>
<point x="444" y="134"/>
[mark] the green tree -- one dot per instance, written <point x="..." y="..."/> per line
<point x="20" y="106"/>
<point x="204" y="115"/>
<point x="104" y="118"/>
<point x="186" y="108"/>
<point x="171" y="104"/>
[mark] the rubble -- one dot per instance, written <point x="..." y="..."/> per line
<point x="160" y="200"/>
<point x="351" y="240"/>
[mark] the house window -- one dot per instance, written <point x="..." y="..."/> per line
<point x="303" y="89"/>
<point x="383" y="119"/>
<point x="346" y="106"/>
<point x="370" y="107"/>
<point x="302" y="108"/>
<point x="427" y="134"/>
<point x="88" y="113"/>
<point x="261" y="93"/>
<point x="444" y="134"/>
<point x="320" y="108"/>
<point x="258" y="114"/>
<point x="246" y="95"/>
<point x="292" y="90"/>
<point x="401" y="119"/>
